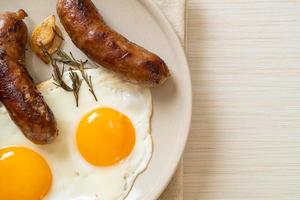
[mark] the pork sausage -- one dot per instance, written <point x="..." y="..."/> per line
<point x="19" y="95"/>
<point x="98" y="41"/>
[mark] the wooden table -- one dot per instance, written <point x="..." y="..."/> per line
<point x="245" y="138"/>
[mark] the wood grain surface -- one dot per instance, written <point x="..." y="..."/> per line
<point x="245" y="138"/>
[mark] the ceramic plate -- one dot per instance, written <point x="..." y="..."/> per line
<point x="142" y="22"/>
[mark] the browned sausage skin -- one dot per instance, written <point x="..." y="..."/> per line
<point x="98" y="41"/>
<point x="22" y="100"/>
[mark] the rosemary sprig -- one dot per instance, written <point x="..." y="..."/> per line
<point x="66" y="59"/>
<point x="76" y="84"/>
<point x="58" y="76"/>
<point x="88" y="80"/>
<point x="78" y="64"/>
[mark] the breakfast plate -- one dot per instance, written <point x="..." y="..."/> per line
<point x="143" y="23"/>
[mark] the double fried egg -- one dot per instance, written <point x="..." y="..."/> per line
<point x="102" y="145"/>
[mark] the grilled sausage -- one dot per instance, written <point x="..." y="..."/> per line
<point x="106" y="47"/>
<point x="21" y="98"/>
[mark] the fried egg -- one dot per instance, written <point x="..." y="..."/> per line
<point x="101" y="149"/>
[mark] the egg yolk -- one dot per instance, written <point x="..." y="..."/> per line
<point x="24" y="174"/>
<point x="105" y="136"/>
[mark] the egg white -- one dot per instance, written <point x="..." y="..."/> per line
<point x="73" y="177"/>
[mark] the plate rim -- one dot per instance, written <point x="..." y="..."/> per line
<point x="167" y="28"/>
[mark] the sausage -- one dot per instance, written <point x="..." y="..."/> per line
<point x="98" y="41"/>
<point x="18" y="94"/>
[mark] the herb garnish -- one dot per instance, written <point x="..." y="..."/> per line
<point x="57" y="75"/>
<point x="78" y="64"/>
<point x="76" y="84"/>
<point x="63" y="57"/>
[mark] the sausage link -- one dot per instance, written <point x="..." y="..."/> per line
<point x="108" y="48"/>
<point x="19" y="95"/>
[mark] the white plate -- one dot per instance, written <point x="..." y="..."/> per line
<point x="142" y="22"/>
